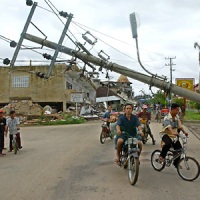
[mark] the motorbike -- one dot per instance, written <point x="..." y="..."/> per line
<point x="145" y="130"/>
<point x="129" y="158"/>
<point x="105" y="131"/>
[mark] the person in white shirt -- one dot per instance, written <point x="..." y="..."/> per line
<point x="12" y="124"/>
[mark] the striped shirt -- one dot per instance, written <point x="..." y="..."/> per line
<point x="169" y="122"/>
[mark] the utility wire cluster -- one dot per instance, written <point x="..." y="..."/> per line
<point x="88" y="37"/>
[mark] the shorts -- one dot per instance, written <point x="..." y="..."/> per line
<point x="124" y="138"/>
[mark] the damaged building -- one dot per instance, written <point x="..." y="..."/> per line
<point x="115" y="93"/>
<point x="22" y="90"/>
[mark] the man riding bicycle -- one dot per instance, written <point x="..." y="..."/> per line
<point x="146" y="117"/>
<point x="171" y="125"/>
<point x="128" y="123"/>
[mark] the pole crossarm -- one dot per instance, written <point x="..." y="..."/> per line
<point x="162" y="84"/>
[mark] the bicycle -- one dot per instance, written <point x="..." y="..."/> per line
<point x="14" y="144"/>
<point x="129" y="157"/>
<point x="188" y="167"/>
<point x="105" y="132"/>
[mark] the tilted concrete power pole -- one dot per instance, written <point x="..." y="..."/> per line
<point x="150" y="80"/>
<point x="170" y="64"/>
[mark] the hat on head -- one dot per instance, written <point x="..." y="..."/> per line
<point x="1" y="111"/>
<point x="144" y="106"/>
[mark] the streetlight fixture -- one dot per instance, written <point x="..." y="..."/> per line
<point x="195" y="46"/>
<point x="134" y="22"/>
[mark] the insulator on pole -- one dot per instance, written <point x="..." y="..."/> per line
<point x="89" y="40"/>
<point x="6" y="61"/>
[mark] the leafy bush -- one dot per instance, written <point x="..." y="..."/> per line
<point x="180" y="101"/>
<point x="192" y="115"/>
<point x="69" y="119"/>
<point x="197" y="106"/>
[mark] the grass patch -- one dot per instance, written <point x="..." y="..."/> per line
<point x="69" y="119"/>
<point x="192" y="115"/>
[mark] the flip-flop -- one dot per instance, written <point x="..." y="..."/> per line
<point x="117" y="162"/>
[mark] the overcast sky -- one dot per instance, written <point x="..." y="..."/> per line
<point x="168" y="28"/>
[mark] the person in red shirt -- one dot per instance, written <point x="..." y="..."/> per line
<point x="144" y="115"/>
<point x="2" y="132"/>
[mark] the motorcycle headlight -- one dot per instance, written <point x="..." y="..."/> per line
<point x="129" y="140"/>
<point x="135" y="141"/>
<point x="132" y="142"/>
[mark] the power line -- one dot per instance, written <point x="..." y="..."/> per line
<point x="60" y="20"/>
<point x="78" y="24"/>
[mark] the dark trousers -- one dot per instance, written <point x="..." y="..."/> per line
<point x="1" y="143"/>
<point x="149" y="132"/>
<point x="18" y="141"/>
<point x="168" y="144"/>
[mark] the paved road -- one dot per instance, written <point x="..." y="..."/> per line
<point x="194" y="128"/>
<point x="69" y="163"/>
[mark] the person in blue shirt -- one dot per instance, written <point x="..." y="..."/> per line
<point x="106" y="116"/>
<point x="107" y="113"/>
<point x="130" y="124"/>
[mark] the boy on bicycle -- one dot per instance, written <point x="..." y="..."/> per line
<point x="13" y="126"/>
<point x="171" y="125"/>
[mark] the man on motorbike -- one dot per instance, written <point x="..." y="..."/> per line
<point x="129" y="123"/>
<point x="106" y="116"/>
<point x="145" y="117"/>
<point x="171" y="126"/>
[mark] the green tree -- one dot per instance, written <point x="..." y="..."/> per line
<point x="159" y="97"/>
<point x="180" y="101"/>
<point x="197" y="106"/>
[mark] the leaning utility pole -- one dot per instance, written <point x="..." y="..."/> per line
<point x="170" y="64"/>
<point x="150" y="80"/>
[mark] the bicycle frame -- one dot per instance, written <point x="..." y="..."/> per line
<point x="178" y="152"/>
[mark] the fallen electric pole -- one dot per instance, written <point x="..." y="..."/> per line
<point x="150" y="80"/>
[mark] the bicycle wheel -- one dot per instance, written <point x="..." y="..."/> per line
<point x="102" y="137"/>
<point x="15" y="148"/>
<point x="133" y="170"/>
<point x="158" y="166"/>
<point x="188" y="168"/>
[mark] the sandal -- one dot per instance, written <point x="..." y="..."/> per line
<point x="117" y="161"/>
<point x="161" y="160"/>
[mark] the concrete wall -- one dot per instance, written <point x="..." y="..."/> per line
<point x="39" y="90"/>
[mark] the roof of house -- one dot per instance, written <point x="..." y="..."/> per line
<point x="123" y="79"/>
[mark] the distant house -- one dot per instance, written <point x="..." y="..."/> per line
<point x="109" y="98"/>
